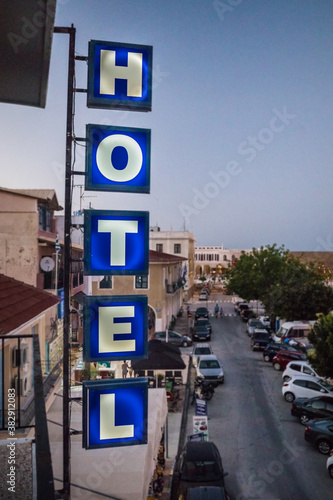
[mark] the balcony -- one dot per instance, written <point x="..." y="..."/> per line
<point x="174" y="286"/>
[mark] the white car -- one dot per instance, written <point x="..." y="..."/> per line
<point x="305" y="387"/>
<point x="329" y="464"/>
<point x="210" y="368"/>
<point x="299" y="368"/>
<point x="203" y="296"/>
<point x="200" y="350"/>
<point x="265" y="321"/>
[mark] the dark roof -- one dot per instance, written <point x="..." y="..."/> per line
<point x="161" y="356"/>
<point x="167" y="258"/>
<point x="20" y="303"/>
<point x="47" y="195"/>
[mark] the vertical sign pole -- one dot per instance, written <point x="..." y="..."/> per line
<point x="67" y="257"/>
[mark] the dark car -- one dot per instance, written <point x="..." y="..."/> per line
<point x="260" y="339"/>
<point x="273" y="348"/>
<point x="174" y="338"/>
<point x="282" y="358"/>
<point x="310" y="408"/>
<point x="200" y="332"/>
<point x="200" y="464"/>
<point x="241" y="307"/>
<point x="320" y="434"/>
<point x="201" y="312"/>
<point x="203" y="322"/>
<point x="247" y="314"/>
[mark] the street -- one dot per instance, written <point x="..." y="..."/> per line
<point x="261" y="444"/>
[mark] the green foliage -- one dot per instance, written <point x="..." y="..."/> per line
<point x="202" y="278"/>
<point x="301" y="293"/>
<point x="287" y="288"/>
<point x="253" y="275"/>
<point x="321" y="337"/>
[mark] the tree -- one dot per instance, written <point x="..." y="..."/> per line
<point x="301" y="293"/>
<point x="253" y="275"/>
<point x="287" y="287"/>
<point x="321" y="336"/>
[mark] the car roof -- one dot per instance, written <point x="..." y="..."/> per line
<point x="202" y="345"/>
<point x="208" y="357"/>
<point x="200" y="450"/>
<point x="286" y="351"/>
<point x="301" y="362"/>
<point x="169" y="331"/>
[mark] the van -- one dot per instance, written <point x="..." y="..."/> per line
<point x="298" y="330"/>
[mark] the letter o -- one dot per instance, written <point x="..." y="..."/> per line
<point x="104" y="160"/>
<point x="265" y="132"/>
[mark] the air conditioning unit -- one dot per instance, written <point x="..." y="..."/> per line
<point x="19" y="357"/>
<point x="22" y="389"/>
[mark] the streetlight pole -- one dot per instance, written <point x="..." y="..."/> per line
<point x="67" y="259"/>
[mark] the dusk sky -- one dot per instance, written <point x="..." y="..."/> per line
<point x="241" y="121"/>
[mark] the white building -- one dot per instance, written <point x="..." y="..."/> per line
<point x="214" y="259"/>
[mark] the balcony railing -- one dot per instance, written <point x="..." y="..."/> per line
<point x="174" y="286"/>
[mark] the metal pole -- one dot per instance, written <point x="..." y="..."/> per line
<point x="67" y="258"/>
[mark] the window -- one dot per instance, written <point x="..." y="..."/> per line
<point x="313" y="386"/>
<point x="141" y="281"/>
<point x="297" y="368"/>
<point x="177" y="248"/>
<point x="301" y="383"/>
<point x="106" y="282"/>
<point x="159" y="247"/>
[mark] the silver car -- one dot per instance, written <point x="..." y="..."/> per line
<point x="210" y="368"/>
<point x="174" y="338"/>
<point x="253" y="324"/>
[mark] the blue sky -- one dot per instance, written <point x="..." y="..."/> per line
<point x="241" y="120"/>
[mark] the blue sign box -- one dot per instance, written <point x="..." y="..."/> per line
<point x="116" y="242"/>
<point x="115" y="327"/>
<point x="119" y="76"/>
<point x="115" y="412"/>
<point x="117" y="159"/>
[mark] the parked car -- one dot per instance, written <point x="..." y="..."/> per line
<point x="283" y="357"/>
<point x="319" y="432"/>
<point x="297" y="330"/>
<point x="201" y="312"/>
<point x="200" y="332"/>
<point x="210" y="368"/>
<point x="304" y="387"/>
<point x="203" y="295"/>
<point x="273" y="348"/>
<point x="241" y="307"/>
<point x="299" y="368"/>
<point x="203" y="322"/>
<point x="200" y="350"/>
<point x="237" y="304"/>
<point x="310" y="408"/>
<point x="207" y="493"/>
<point x="247" y="314"/>
<point x="252" y="324"/>
<point x="174" y="338"/>
<point x="260" y="339"/>
<point x="329" y="464"/>
<point x="200" y="464"/>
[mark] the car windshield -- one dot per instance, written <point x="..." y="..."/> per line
<point x="209" y="363"/>
<point x="202" y="350"/>
<point x="201" y="471"/>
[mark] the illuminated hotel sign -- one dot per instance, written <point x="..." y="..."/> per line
<point x="116" y="242"/>
<point x="119" y="76"/>
<point x="115" y="412"/>
<point x="115" y="327"/>
<point x="117" y="159"/>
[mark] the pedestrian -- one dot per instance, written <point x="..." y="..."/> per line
<point x="124" y="369"/>
<point x="216" y="310"/>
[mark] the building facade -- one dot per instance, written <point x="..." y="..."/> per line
<point x="214" y="259"/>
<point x="179" y="243"/>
